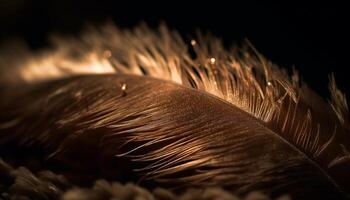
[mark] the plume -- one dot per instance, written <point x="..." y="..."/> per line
<point x="151" y="107"/>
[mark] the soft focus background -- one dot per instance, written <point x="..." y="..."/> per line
<point x="313" y="38"/>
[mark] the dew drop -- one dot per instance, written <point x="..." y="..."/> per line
<point x="193" y="42"/>
<point x="123" y="87"/>
<point x="212" y="60"/>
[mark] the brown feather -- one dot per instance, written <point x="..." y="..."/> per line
<point x="227" y="118"/>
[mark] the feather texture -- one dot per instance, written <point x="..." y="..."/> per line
<point x="213" y="117"/>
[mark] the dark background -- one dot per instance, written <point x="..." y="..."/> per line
<point x="313" y="38"/>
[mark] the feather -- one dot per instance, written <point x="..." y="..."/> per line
<point x="137" y="104"/>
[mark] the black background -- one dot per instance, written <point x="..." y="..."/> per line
<point x="313" y="38"/>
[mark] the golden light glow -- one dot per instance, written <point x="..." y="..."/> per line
<point x="163" y="55"/>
